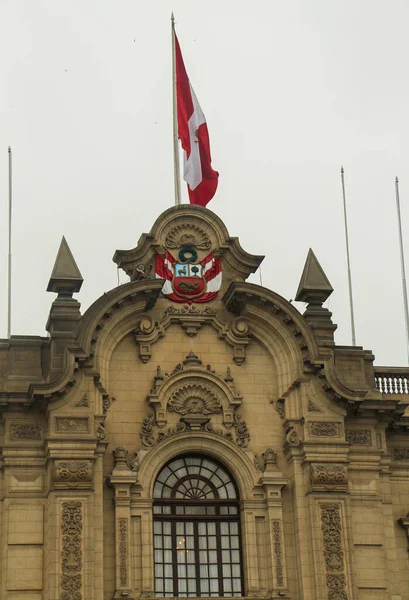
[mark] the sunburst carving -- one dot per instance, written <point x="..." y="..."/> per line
<point x="194" y="399"/>
<point x="186" y="234"/>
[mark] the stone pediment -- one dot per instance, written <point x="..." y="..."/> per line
<point x="182" y="226"/>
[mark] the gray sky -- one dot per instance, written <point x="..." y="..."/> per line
<point x="291" y="90"/>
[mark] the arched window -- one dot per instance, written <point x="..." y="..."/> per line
<point x="196" y="530"/>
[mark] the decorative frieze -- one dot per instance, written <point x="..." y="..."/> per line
<point x="329" y="477"/>
<point x="400" y="453"/>
<point x="323" y="429"/>
<point x="359" y="437"/>
<point x="278" y="554"/>
<point x="333" y="553"/>
<point x="71" y="425"/>
<point x="72" y="474"/>
<point x="71" y="551"/>
<point x="25" y="432"/>
<point x="123" y="552"/>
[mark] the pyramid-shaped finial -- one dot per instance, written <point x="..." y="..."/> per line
<point x="314" y="286"/>
<point x="66" y="277"/>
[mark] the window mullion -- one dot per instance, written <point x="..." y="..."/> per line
<point x="197" y="562"/>
<point x="219" y="558"/>
<point x="174" y="559"/>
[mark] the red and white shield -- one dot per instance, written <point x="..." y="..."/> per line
<point x="188" y="280"/>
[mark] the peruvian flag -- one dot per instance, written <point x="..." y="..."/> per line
<point x="201" y="179"/>
<point x="211" y="273"/>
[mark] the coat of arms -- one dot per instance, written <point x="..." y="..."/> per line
<point x="188" y="279"/>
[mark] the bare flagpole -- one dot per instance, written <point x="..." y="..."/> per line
<point x="351" y="304"/>
<point x="9" y="257"/>
<point x="402" y="262"/>
<point x="176" y="165"/>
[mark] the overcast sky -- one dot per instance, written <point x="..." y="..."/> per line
<point x="291" y="91"/>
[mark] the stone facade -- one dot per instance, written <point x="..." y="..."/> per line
<point x="314" y="436"/>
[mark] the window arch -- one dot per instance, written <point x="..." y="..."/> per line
<point x="196" y="530"/>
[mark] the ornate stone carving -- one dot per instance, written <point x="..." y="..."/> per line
<point x="194" y="399"/>
<point x="147" y="431"/>
<point x="123" y="552"/>
<point x="142" y="271"/>
<point x="333" y="554"/>
<point x="400" y="453"/>
<point x="325" y="477"/>
<point x="242" y="433"/>
<point x="323" y="429"/>
<point x="71" y="425"/>
<point x="180" y="427"/>
<point x="25" y="432"/>
<point x="71" y="551"/>
<point x="186" y="234"/>
<point x="135" y="463"/>
<point x="279" y="406"/>
<point x="102" y="433"/>
<point x="190" y="309"/>
<point x="120" y="457"/>
<point x="291" y="436"/>
<point x="360" y="437"/>
<point x="72" y="474"/>
<point x="278" y="554"/>
<point x="269" y="457"/>
<point x="259" y="463"/>
<point x="83" y="402"/>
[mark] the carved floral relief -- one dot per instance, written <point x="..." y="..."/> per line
<point x="71" y="550"/>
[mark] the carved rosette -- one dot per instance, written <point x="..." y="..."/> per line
<point x="72" y="474"/>
<point x="333" y="553"/>
<point x="328" y="477"/>
<point x="71" y="550"/>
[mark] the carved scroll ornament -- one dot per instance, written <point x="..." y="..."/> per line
<point x="25" y="432"/>
<point x="323" y="429"/>
<point x="359" y="437"/>
<point x="329" y="477"/>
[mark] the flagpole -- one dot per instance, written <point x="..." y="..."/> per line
<point x="402" y="262"/>
<point x="176" y="165"/>
<point x="351" y="304"/>
<point x="9" y="256"/>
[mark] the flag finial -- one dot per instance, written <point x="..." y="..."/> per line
<point x="9" y="149"/>
<point x="396" y="179"/>
<point x="342" y="170"/>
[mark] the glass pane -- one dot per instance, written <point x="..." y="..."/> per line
<point x="159" y="585"/>
<point x="165" y="510"/>
<point x="157" y="527"/>
<point x="235" y="556"/>
<point x="180" y="510"/>
<point x="225" y="542"/>
<point x="214" y="585"/>
<point x="236" y="585"/>
<point x="180" y="530"/>
<point x="236" y="570"/>
<point x="157" y="510"/>
<point x="230" y="490"/>
<point x="168" y="585"/>
<point x="167" y="541"/>
<point x="224" y="528"/>
<point x="204" y="572"/>
<point x="234" y="540"/>
<point x="189" y="528"/>
<point x="234" y="529"/>
<point x="203" y="556"/>
<point x="191" y="571"/>
<point x="212" y="556"/>
<point x="168" y="571"/>
<point x="182" y="585"/>
<point x="213" y="571"/>
<point x="181" y="570"/>
<point x="166" y="528"/>
<point x="158" y="556"/>
<point x="224" y="510"/>
<point x="158" y="570"/>
<point x="189" y="542"/>
<point x="202" y="542"/>
<point x="211" y="528"/>
<point x="226" y="571"/>
<point x="225" y="556"/>
<point x="232" y="510"/>
<point x="157" y="540"/>
<point x="211" y="510"/>
<point x="212" y="541"/>
<point x="167" y="556"/>
<point x="227" y="585"/>
<point x="191" y="585"/>
<point x="157" y="490"/>
<point x="190" y="556"/>
<point x="204" y="586"/>
<point x="181" y="556"/>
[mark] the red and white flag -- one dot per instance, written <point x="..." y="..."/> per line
<point x="178" y="287"/>
<point x="201" y="179"/>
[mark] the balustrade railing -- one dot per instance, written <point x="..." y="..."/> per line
<point x="392" y="380"/>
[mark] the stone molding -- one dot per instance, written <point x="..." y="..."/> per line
<point x="75" y="474"/>
<point x="71" y="550"/>
<point x="328" y="477"/>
